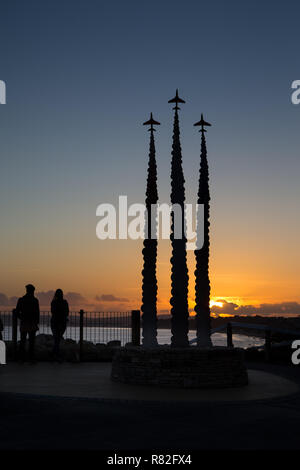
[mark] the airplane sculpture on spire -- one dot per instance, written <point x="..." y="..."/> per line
<point x="149" y="279"/>
<point x="151" y="122"/>
<point x="176" y="100"/>
<point x="202" y="123"/>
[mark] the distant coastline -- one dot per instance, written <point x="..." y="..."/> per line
<point x="164" y="321"/>
<point x="289" y="323"/>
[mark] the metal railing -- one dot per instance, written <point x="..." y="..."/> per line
<point x="268" y="330"/>
<point x="96" y="327"/>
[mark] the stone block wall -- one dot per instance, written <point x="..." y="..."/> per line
<point x="192" y="367"/>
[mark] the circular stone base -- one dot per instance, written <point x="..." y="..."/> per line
<point x="192" y="367"/>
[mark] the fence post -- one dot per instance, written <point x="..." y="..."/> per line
<point x="268" y="345"/>
<point x="135" y="327"/>
<point x="81" y="313"/>
<point x="15" y="333"/>
<point x="229" y="335"/>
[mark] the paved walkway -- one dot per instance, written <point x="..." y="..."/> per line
<point x="54" y="423"/>
<point x="92" y="380"/>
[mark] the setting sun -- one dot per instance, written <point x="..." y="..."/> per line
<point x="214" y="303"/>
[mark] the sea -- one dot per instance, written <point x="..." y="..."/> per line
<point x="104" y="335"/>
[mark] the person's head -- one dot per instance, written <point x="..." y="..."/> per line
<point x="59" y="295"/>
<point x="30" y="289"/>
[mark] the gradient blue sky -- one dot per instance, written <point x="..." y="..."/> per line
<point x="81" y="78"/>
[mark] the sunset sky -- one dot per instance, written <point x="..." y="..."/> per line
<point x="82" y="77"/>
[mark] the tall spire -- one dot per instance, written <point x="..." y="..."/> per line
<point x="202" y="282"/>
<point x="149" y="283"/>
<point x="179" y="271"/>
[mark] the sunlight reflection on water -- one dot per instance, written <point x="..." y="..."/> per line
<point x="218" y="339"/>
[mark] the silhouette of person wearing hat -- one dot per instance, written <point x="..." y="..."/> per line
<point x="28" y="311"/>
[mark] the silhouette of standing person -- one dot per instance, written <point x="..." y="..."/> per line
<point x="59" y="318"/>
<point x="28" y="311"/>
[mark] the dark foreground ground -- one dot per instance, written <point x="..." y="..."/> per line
<point x="47" y="423"/>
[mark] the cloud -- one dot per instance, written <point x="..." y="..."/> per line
<point x="284" y="308"/>
<point x="45" y="298"/>
<point x="227" y="307"/>
<point x="3" y="300"/>
<point x="74" y="298"/>
<point x="7" y="301"/>
<point x="280" y="309"/>
<point x="110" y="298"/>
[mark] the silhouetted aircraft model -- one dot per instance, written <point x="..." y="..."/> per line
<point x="202" y="123"/>
<point x="151" y="123"/>
<point x="176" y="100"/>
